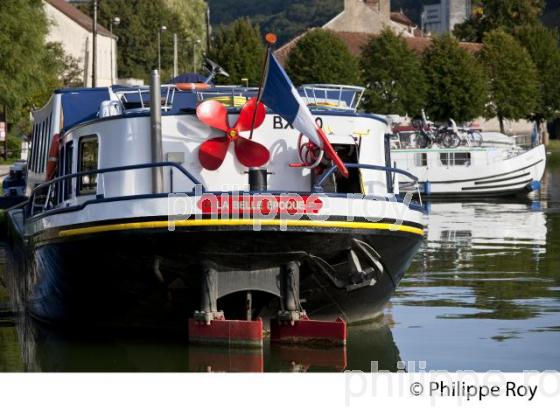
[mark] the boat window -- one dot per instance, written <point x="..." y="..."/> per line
<point x="32" y="147"/>
<point x="68" y="170"/>
<point x="87" y="161"/>
<point x="455" y="158"/>
<point x="421" y="160"/>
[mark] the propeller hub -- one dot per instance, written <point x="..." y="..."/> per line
<point x="233" y="134"/>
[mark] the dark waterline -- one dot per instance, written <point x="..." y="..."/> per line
<point x="482" y="294"/>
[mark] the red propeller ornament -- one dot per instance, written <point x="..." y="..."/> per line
<point x="213" y="152"/>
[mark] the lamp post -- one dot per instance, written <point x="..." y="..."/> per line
<point x="94" y="46"/>
<point x="161" y="30"/>
<point x="196" y="43"/>
<point x="116" y="21"/>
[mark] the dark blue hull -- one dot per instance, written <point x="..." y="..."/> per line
<point x="110" y="279"/>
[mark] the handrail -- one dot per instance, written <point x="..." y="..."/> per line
<point x="318" y="186"/>
<point x="103" y="171"/>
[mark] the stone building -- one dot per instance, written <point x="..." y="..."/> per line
<point x="73" y="29"/>
<point x="370" y="16"/>
<point x="443" y="17"/>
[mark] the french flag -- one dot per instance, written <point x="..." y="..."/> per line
<point x="280" y="95"/>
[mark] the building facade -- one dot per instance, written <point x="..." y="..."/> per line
<point x="73" y="30"/>
<point x="443" y="17"/>
<point x="370" y="16"/>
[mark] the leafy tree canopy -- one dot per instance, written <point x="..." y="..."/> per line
<point x="140" y="22"/>
<point x="496" y="14"/>
<point x="512" y="76"/>
<point x="457" y="84"/>
<point x="395" y="81"/>
<point x="239" y="49"/>
<point x="542" y="45"/>
<point x="286" y="18"/>
<point x="321" y="57"/>
<point x="29" y="69"/>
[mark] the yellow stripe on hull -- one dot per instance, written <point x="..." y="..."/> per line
<point x="239" y="222"/>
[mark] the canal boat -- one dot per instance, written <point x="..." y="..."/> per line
<point x="492" y="166"/>
<point x="196" y="206"/>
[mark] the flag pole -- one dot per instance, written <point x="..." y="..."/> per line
<point x="270" y="39"/>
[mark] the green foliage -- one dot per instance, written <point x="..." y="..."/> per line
<point x="22" y="55"/>
<point x="541" y="43"/>
<point x="321" y="57"/>
<point x="512" y="76"/>
<point x="499" y="14"/>
<point x="141" y="20"/>
<point x="239" y="49"/>
<point x="395" y="82"/>
<point x="457" y="86"/>
<point x="286" y="18"/>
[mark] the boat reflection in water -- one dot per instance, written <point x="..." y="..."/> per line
<point x="45" y="349"/>
<point x="483" y="291"/>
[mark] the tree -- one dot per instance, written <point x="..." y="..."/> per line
<point x="239" y="49"/>
<point x="321" y="57"/>
<point x="542" y="45"/>
<point x="65" y="68"/>
<point x="457" y="85"/>
<point x="22" y="52"/>
<point x="512" y="76"/>
<point x="286" y="18"/>
<point x="137" y="33"/>
<point x="496" y="14"/>
<point x="395" y="82"/>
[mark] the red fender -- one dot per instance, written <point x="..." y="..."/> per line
<point x="52" y="160"/>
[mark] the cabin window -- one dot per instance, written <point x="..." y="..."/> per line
<point x="455" y="158"/>
<point x="68" y="154"/>
<point x="421" y="160"/>
<point x="32" y="148"/>
<point x="87" y="161"/>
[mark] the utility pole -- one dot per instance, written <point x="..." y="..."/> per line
<point x="208" y="29"/>
<point x="175" y="56"/>
<point x="5" y="131"/>
<point x="94" y="59"/>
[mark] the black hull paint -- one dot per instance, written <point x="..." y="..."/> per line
<point x="108" y="279"/>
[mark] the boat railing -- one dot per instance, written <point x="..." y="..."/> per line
<point x="393" y="184"/>
<point x="230" y="96"/>
<point x="332" y="96"/>
<point x="141" y="96"/>
<point x="47" y="192"/>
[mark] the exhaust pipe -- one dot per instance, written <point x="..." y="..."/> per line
<point x="155" y="135"/>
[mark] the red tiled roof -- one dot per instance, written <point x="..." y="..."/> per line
<point x="75" y="14"/>
<point x="356" y="41"/>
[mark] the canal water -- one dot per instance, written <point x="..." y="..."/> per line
<point x="482" y="294"/>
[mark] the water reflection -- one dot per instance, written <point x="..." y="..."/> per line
<point x="483" y="293"/>
<point x="52" y="350"/>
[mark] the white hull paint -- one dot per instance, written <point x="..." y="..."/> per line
<point x="473" y="172"/>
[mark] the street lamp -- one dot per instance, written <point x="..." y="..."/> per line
<point x="196" y="43"/>
<point x="161" y="30"/>
<point x="116" y="21"/>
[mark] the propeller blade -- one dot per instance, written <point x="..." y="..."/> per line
<point x="245" y="120"/>
<point x="251" y="153"/>
<point x="213" y="114"/>
<point x="331" y="153"/>
<point x="212" y="152"/>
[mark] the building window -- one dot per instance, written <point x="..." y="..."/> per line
<point x="88" y="151"/>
